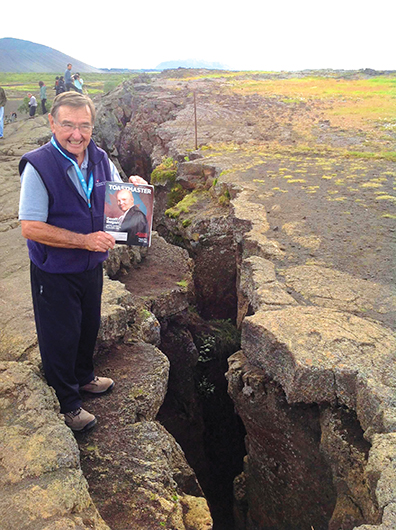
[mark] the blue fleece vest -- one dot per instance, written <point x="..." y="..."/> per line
<point x="67" y="209"/>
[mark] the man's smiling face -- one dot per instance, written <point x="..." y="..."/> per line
<point x="125" y="200"/>
<point x="73" y="140"/>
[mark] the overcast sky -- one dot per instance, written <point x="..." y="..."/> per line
<point x="244" y="35"/>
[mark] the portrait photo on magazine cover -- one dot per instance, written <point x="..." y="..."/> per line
<point x="128" y="213"/>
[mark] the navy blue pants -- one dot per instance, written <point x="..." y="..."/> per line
<point x="67" y="315"/>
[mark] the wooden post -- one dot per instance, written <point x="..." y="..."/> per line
<point x="195" y="119"/>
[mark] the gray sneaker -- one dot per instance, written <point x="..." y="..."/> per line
<point x="80" y="420"/>
<point x="98" y="385"/>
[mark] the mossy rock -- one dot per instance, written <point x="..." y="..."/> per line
<point x="164" y="172"/>
<point x="184" y="205"/>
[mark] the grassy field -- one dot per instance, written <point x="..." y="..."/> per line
<point x="17" y="86"/>
<point x="355" y="103"/>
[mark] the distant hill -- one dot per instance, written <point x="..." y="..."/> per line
<point x="190" y="63"/>
<point x="22" y="56"/>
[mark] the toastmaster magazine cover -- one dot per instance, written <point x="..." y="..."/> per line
<point x="128" y="213"/>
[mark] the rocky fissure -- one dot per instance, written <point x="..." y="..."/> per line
<point x="311" y="375"/>
<point x="294" y="390"/>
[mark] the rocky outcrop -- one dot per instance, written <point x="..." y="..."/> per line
<point x="42" y="483"/>
<point x="314" y="385"/>
<point x="129" y="124"/>
<point x="314" y="381"/>
<point x="148" y="470"/>
<point x="326" y="287"/>
<point x="283" y="459"/>
<point x="201" y="224"/>
<point x="310" y="341"/>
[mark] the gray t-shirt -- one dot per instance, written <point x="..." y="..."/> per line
<point x="33" y="201"/>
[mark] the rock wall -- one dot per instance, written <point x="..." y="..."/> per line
<point x="313" y="360"/>
<point x="313" y="382"/>
<point x="129" y="121"/>
<point x="314" y="385"/>
<point x="322" y="372"/>
<point x="202" y="225"/>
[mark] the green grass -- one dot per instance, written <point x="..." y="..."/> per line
<point x="384" y="155"/>
<point x="18" y="85"/>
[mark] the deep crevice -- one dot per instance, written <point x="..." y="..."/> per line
<point x="198" y="411"/>
<point x="291" y="476"/>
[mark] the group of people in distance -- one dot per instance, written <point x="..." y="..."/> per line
<point x="62" y="84"/>
<point x="33" y="101"/>
<point x="72" y="81"/>
<point x="68" y="82"/>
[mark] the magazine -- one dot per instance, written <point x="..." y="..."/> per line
<point x="128" y="213"/>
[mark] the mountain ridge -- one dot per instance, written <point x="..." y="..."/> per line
<point x="22" y="56"/>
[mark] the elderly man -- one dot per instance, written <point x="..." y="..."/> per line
<point x="133" y="221"/>
<point x="61" y="213"/>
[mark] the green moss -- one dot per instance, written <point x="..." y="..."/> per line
<point x="182" y="283"/>
<point x="136" y="393"/>
<point x="184" y="205"/>
<point x="164" y="172"/>
<point x="144" y="314"/>
<point x="386" y="197"/>
<point x="186" y="223"/>
<point x="224" y="199"/>
<point x="176" y="194"/>
<point x="385" y="155"/>
<point x="222" y="340"/>
<point x="298" y="181"/>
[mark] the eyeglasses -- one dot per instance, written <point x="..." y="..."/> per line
<point x="69" y="127"/>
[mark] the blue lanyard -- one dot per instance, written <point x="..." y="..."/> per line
<point x="87" y="189"/>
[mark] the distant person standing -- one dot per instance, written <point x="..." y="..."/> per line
<point x="61" y="85"/>
<point x="69" y="81"/>
<point x="78" y="83"/>
<point x="3" y="100"/>
<point x="43" y="96"/>
<point x="32" y="105"/>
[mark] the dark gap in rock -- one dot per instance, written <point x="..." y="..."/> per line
<point x="198" y="411"/>
<point x="214" y="272"/>
<point x="305" y="462"/>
